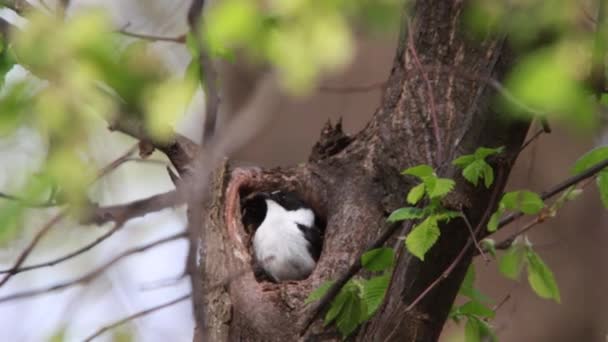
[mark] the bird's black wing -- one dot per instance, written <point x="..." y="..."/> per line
<point x="314" y="238"/>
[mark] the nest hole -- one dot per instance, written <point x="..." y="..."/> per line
<point x="248" y="191"/>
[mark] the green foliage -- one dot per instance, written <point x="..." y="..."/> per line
<point x="423" y="237"/>
<point x="378" y="259"/>
<point x="356" y="302"/>
<point x="540" y="277"/>
<point x="475" y="167"/>
<point x="407" y="213"/>
<point x="528" y="202"/>
<point x="590" y="159"/>
<point x="475" y="310"/>
<point x="319" y="292"/>
<point x="359" y="299"/>
<point x="432" y="186"/>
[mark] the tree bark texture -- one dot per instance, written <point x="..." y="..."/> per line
<point x="428" y="116"/>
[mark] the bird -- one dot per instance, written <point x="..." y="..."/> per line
<point x="287" y="240"/>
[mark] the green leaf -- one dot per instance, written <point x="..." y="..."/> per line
<point x="422" y="237"/>
<point x="489" y="245"/>
<point x="590" y="159"/>
<point x="476" y="308"/>
<point x="420" y="171"/>
<point x="472" y="331"/>
<point x="510" y="200"/>
<point x="446" y="215"/>
<point x="415" y="194"/>
<point x="494" y="221"/>
<point x="464" y="160"/>
<point x="352" y="313"/>
<point x="319" y="292"/>
<point x="378" y="259"/>
<point x="541" y="278"/>
<point x="602" y="185"/>
<point x="488" y="175"/>
<point x="484" y="152"/>
<point x="407" y="213"/>
<point x="338" y="303"/>
<point x="373" y="293"/>
<point x="441" y="188"/>
<point x="530" y="203"/>
<point x="473" y="171"/>
<point x="512" y="262"/>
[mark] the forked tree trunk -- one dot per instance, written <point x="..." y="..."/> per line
<point x="430" y="113"/>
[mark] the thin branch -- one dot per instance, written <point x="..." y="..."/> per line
<point x="429" y="90"/>
<point x="30" y="247"/>
<point x="531" y="140"/>
<point x="181" y="39"/>
<point x="353" y="88"/>
<point x="592" y="171"/>
<point x="137" y="315"/>
<point x="47" y="227"/>
<point x="540" y="218"/>
<point x="494" y="198"/>
<point x="68" y="256"/>
<point x="91" y="275"/>
<point x="137" y="208"/>
<point x="473" y="236"/>
<point x="335" y="288"/>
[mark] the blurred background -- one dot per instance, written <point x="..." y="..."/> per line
<point x="353" y="94"/>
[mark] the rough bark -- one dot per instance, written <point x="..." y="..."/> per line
<point x="355" y="182"/>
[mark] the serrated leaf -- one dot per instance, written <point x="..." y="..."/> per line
<point x="484" y="152"/>
<point x="446" y="215"/>
<point x="472" y="331"/>
<point x="319" y="292"/>
<point x="510" y="200"/>
<point x="464" y="160"/>
<point x="422" y="237"/>
<point x="541" y="278"/>
<point x="351" y="314"/>
<point x="494" y="221"/>
<point x="420" y="171"/>
<point x="488" y="175"/>
<point x="512" y="262"/>
<point x="378" y="259"/>
<point x="373" y="293"/>
<point x="530" y="202"/>
<point x="476" y="308"/>
<point x="338" y="303"/>
<point x="602" y="185"/>
<point x="590" y="159"/>
<point x="473" y="172"/>
<point x="415" y="194"/>
<point x="441" y="188"/>
<point x="407" y="213"/>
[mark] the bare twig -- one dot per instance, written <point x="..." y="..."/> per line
<point x="47" y="227"/>
<point x="30" y="247"/>
<point x="92" y="274"/>
<point x="502" y="302"/>
<point x="473" y="236"/>
<point x="181" y="39"/>
<point x="353" y="88"/>
<point x="429" y="89"/>
<point x="137" y="315"/>
<point x="137" y="208"/>
<point x="592" y="171"/>
<point x="68" y="256"/>
<point x="531" y="139"/>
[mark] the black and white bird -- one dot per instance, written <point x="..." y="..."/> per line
<point x="288" y="237"/>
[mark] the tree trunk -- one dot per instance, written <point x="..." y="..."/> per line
<point x="428" y="116"/>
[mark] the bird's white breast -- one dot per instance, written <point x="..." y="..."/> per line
<point x="280" y="246"/>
